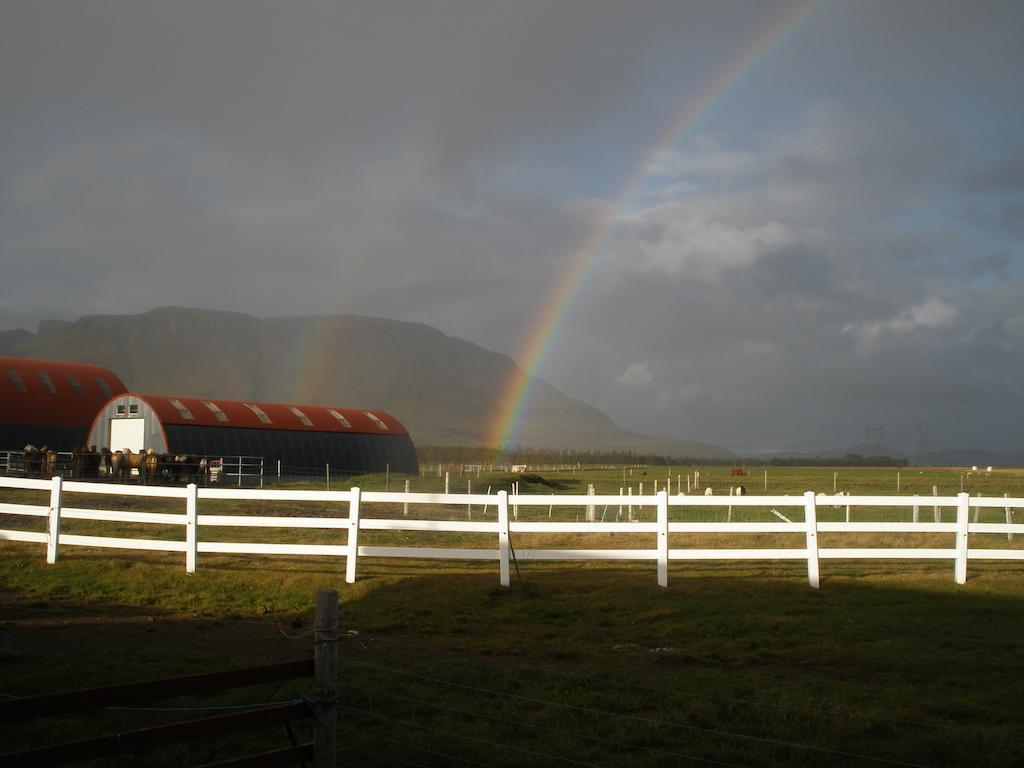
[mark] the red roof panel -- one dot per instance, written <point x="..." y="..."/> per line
<point x="48" y="393"/>
<point x="238" y="413"/>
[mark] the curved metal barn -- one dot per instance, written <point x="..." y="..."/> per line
<point x="301" y="436"/>
<point x="50" y="403"/>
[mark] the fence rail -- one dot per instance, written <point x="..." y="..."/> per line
<point x="321" y="708"/>
<point x="351" y="520"/>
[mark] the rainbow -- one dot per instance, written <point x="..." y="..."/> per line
<point x="696" y="111"/>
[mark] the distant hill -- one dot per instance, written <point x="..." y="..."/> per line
<point x="442" y="388"/>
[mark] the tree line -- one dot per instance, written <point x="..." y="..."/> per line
<point x="569" y="457"/>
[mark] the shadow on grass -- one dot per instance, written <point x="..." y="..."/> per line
<point x="587" y="662"/>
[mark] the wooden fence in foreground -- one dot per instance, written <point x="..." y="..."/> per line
<point x="351" y="521"/>
<point x="320" y="752"/>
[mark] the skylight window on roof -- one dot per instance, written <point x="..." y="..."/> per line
<point x="377" y="420"/>
<point x="183" y="411"/>
<point x="301" y="416"/>
<point x="16" y="379"/>
<point x="260" y="413"/>
<point x="104" y="387"/>
<point x="341" y="419"/>
<point x="45" y="379"/>
<point x="216" y="411"/>
<point x="75" y="384"/>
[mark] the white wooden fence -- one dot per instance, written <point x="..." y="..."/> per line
<point x="502" y="528"/>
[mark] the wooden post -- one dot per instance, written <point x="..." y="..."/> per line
<point x="728" y="514"/>
<point x="503" y="540"/>
<point x="935" y="509"/>
<point x="663" y="539"/>
<point x="811" y="520"/>
<point x="977" y="508"/>
<point x="962" y="512"/>
<point x="917" y="510"/>
<point x="191" y="527"/>
<point x="353" y="536"/>
<point x="469" y="505"/>
<point x="1009" y="518"/>
<point x="53" y="527"/>
<point x="405" y="504"/>
<point x="446" y="482"/>
<point x="325" y="692"/>
<point x="591" y="515"/>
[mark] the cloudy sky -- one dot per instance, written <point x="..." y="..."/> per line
<point x="801" y="220"/>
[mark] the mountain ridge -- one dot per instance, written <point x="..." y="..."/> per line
<point x="444" y="389"/>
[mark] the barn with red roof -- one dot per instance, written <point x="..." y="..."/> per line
<point x="299" y="436"/>
<point x="49" y="403"/>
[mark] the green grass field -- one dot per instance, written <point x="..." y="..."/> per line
<point x="890" y="663"/>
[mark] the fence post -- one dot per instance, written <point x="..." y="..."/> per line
<point x="405" y="504"/>
<point x="917" y="510"/>
<point x="325" y="693"/>
<point x="963" y="509"/>
<point x="811" y="520"/>
<point x="1009" y="518"/>
<point x="503" y="541"/>
<point x="53" y="527"/>
<point x="353" y="536"/>
<point x="191" y="527"/>
<point x="936" y="510"/>
<point x="663" y="538"/>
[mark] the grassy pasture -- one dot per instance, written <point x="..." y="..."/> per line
<point x="578" y="663"/>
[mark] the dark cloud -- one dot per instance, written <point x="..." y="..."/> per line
<point x="837" y="246"/>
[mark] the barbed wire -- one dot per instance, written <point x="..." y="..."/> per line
<point x="812" y="708"/>
<point x="638" y="718"/>
<point x="452" y="734"/>
<point x="419" y="747"/>
<point x="559" y="732"/>
<point x="381" y="755"/>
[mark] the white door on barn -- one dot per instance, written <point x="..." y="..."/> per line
<point x="128" y="433"/>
